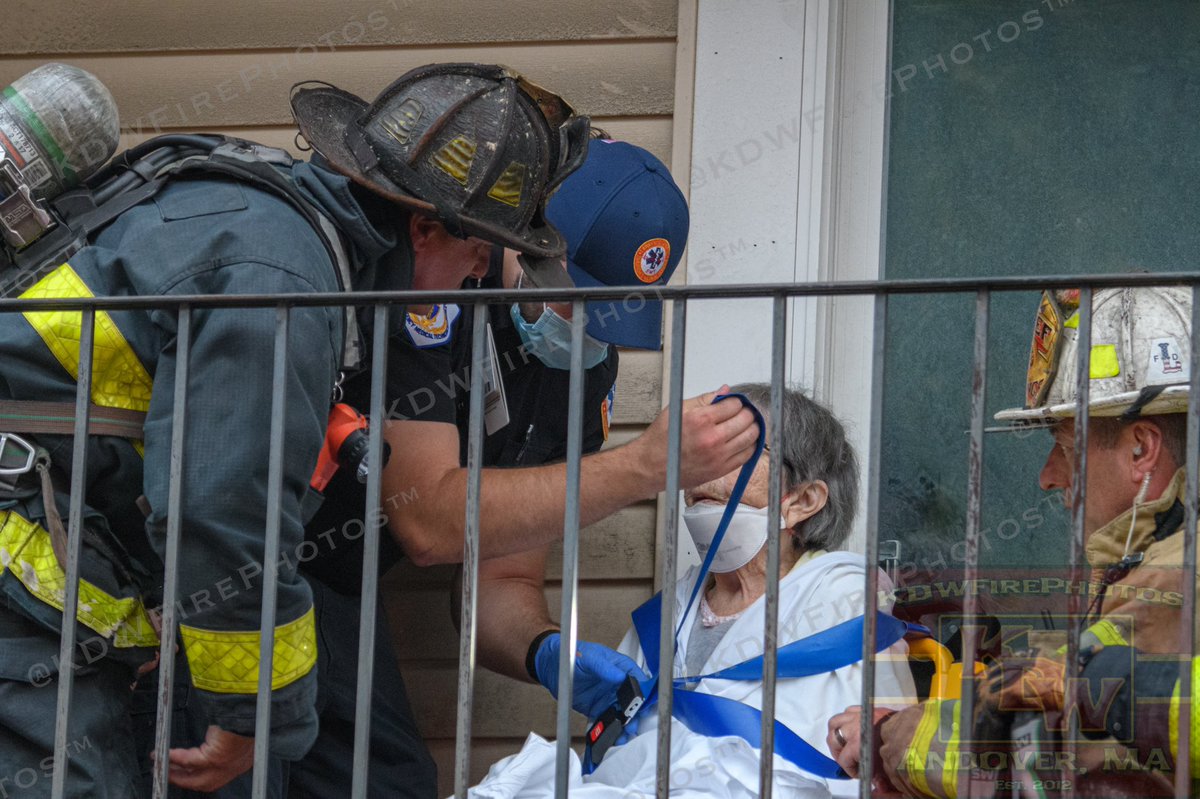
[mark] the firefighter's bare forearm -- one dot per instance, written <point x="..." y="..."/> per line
<point x="512" y="611"/>
<point x="523" y="508"/>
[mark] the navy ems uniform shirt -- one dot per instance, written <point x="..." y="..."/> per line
<point x="429" y="380"/>
<point x="419" y="388"/>
<point x="538" y="399"/>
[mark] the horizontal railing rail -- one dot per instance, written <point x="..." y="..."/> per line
<point x="678" y="297"/>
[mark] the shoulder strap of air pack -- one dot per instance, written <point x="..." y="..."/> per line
<point x="80" y="218"/>
<point x="255" y="164"/>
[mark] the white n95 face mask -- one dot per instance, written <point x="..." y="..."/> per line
<point x="745" y="536"/>
<point x="549" y="340"/>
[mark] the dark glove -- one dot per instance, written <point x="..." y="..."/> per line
<point x="599" y="671"/>
<point x="1023" y="681"/>
<point x="1128" y="698"/>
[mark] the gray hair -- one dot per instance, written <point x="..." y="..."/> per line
<point x="814" y="448"/>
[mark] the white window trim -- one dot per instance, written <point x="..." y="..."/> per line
<point x="839" y="198"/>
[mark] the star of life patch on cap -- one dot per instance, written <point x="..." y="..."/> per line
<point x="651" y="259"/>
<point x="434" y="329"/>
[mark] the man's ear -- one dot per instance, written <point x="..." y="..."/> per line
<point x="804" y="502"/>
<point x="1146" y="450"/>
<point x="423" y="230"/>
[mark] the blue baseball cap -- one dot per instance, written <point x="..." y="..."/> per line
<point x="626" y="224"/>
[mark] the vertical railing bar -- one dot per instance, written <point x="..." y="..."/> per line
<point x="1183" y="755"/>
<point x="370" y="586"/>
<point x="1077" y="601"/>
<point x="774" y="501"/>
<point x="66" y="650"/>
<point x="166" y="649"/>
<point x="470" y="582"/>
<point x="266" y="657"/>
<point x="569" y="614"/>
<point x="870" y="622"/>
<point x="670" y="552"/>
<point x="969" y="626"/>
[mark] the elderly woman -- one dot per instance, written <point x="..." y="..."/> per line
<point x="819" y="587"/>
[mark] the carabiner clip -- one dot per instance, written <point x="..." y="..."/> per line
<point x="7" y="453"/>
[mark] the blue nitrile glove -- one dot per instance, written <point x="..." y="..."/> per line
<point x="599" y="672"/>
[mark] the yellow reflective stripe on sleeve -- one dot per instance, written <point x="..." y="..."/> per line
<point x="1104" y="631"/>
<point x="916" y="756"/>
<point x="27" y="553"/>
<point x="950" y="767"/>
<point x="1108" y="633"/>
<point x="1104" y="362"/>
<point x="227" y="662"/>
<point x="119" y="380"/>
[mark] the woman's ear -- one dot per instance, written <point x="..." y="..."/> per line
<point x="804" y="502"/>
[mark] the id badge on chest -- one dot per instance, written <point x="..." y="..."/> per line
<point x="495" y="404"/>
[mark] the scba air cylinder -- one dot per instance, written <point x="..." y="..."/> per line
<point x="58" y="125"/>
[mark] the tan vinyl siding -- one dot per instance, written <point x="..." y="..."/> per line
<point x="227" y="66"/>
<point x="124" y="26"/>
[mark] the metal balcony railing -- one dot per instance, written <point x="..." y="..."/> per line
<point x="679" y="298"/>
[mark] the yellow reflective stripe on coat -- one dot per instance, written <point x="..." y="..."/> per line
<point x="916" y="757"/>
<point x="227" y="662"/>
<point x="1173" y="714"/>
<point x="28" y="554"/>
<point x="950" y="712"/>
<point x="930" y="763"/>
<point x="119" y="380"/>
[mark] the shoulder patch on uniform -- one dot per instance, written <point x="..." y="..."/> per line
<point x="433" y="330"/>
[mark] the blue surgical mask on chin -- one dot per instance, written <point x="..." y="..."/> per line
<point x="549" y="340"/>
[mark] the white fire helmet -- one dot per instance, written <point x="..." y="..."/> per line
<point x="1141" y="354"/>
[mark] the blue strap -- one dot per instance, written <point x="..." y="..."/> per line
<point x="718" y="717"/>
<point x="739" y="487"/>
<point x="819" y="653"/>
<point x="735" y="497"/>
<point x="826" y="651"/>
<point x="822" y="652"/>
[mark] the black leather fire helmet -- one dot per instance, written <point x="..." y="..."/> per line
<point x="475" y="146"/>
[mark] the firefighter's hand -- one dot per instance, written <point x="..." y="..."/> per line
<point x="599" y="672"/>
<point x="715" y="440"/>
<point x="845" y="744"/>
<point x="222" y="757"/>
<point x="1024" y="682"/>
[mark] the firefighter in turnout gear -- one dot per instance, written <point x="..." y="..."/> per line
<point x="1125" y="689"/>
<point x="227" y="218"/>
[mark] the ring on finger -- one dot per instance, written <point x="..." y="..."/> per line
<point x="837" y="734"/>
